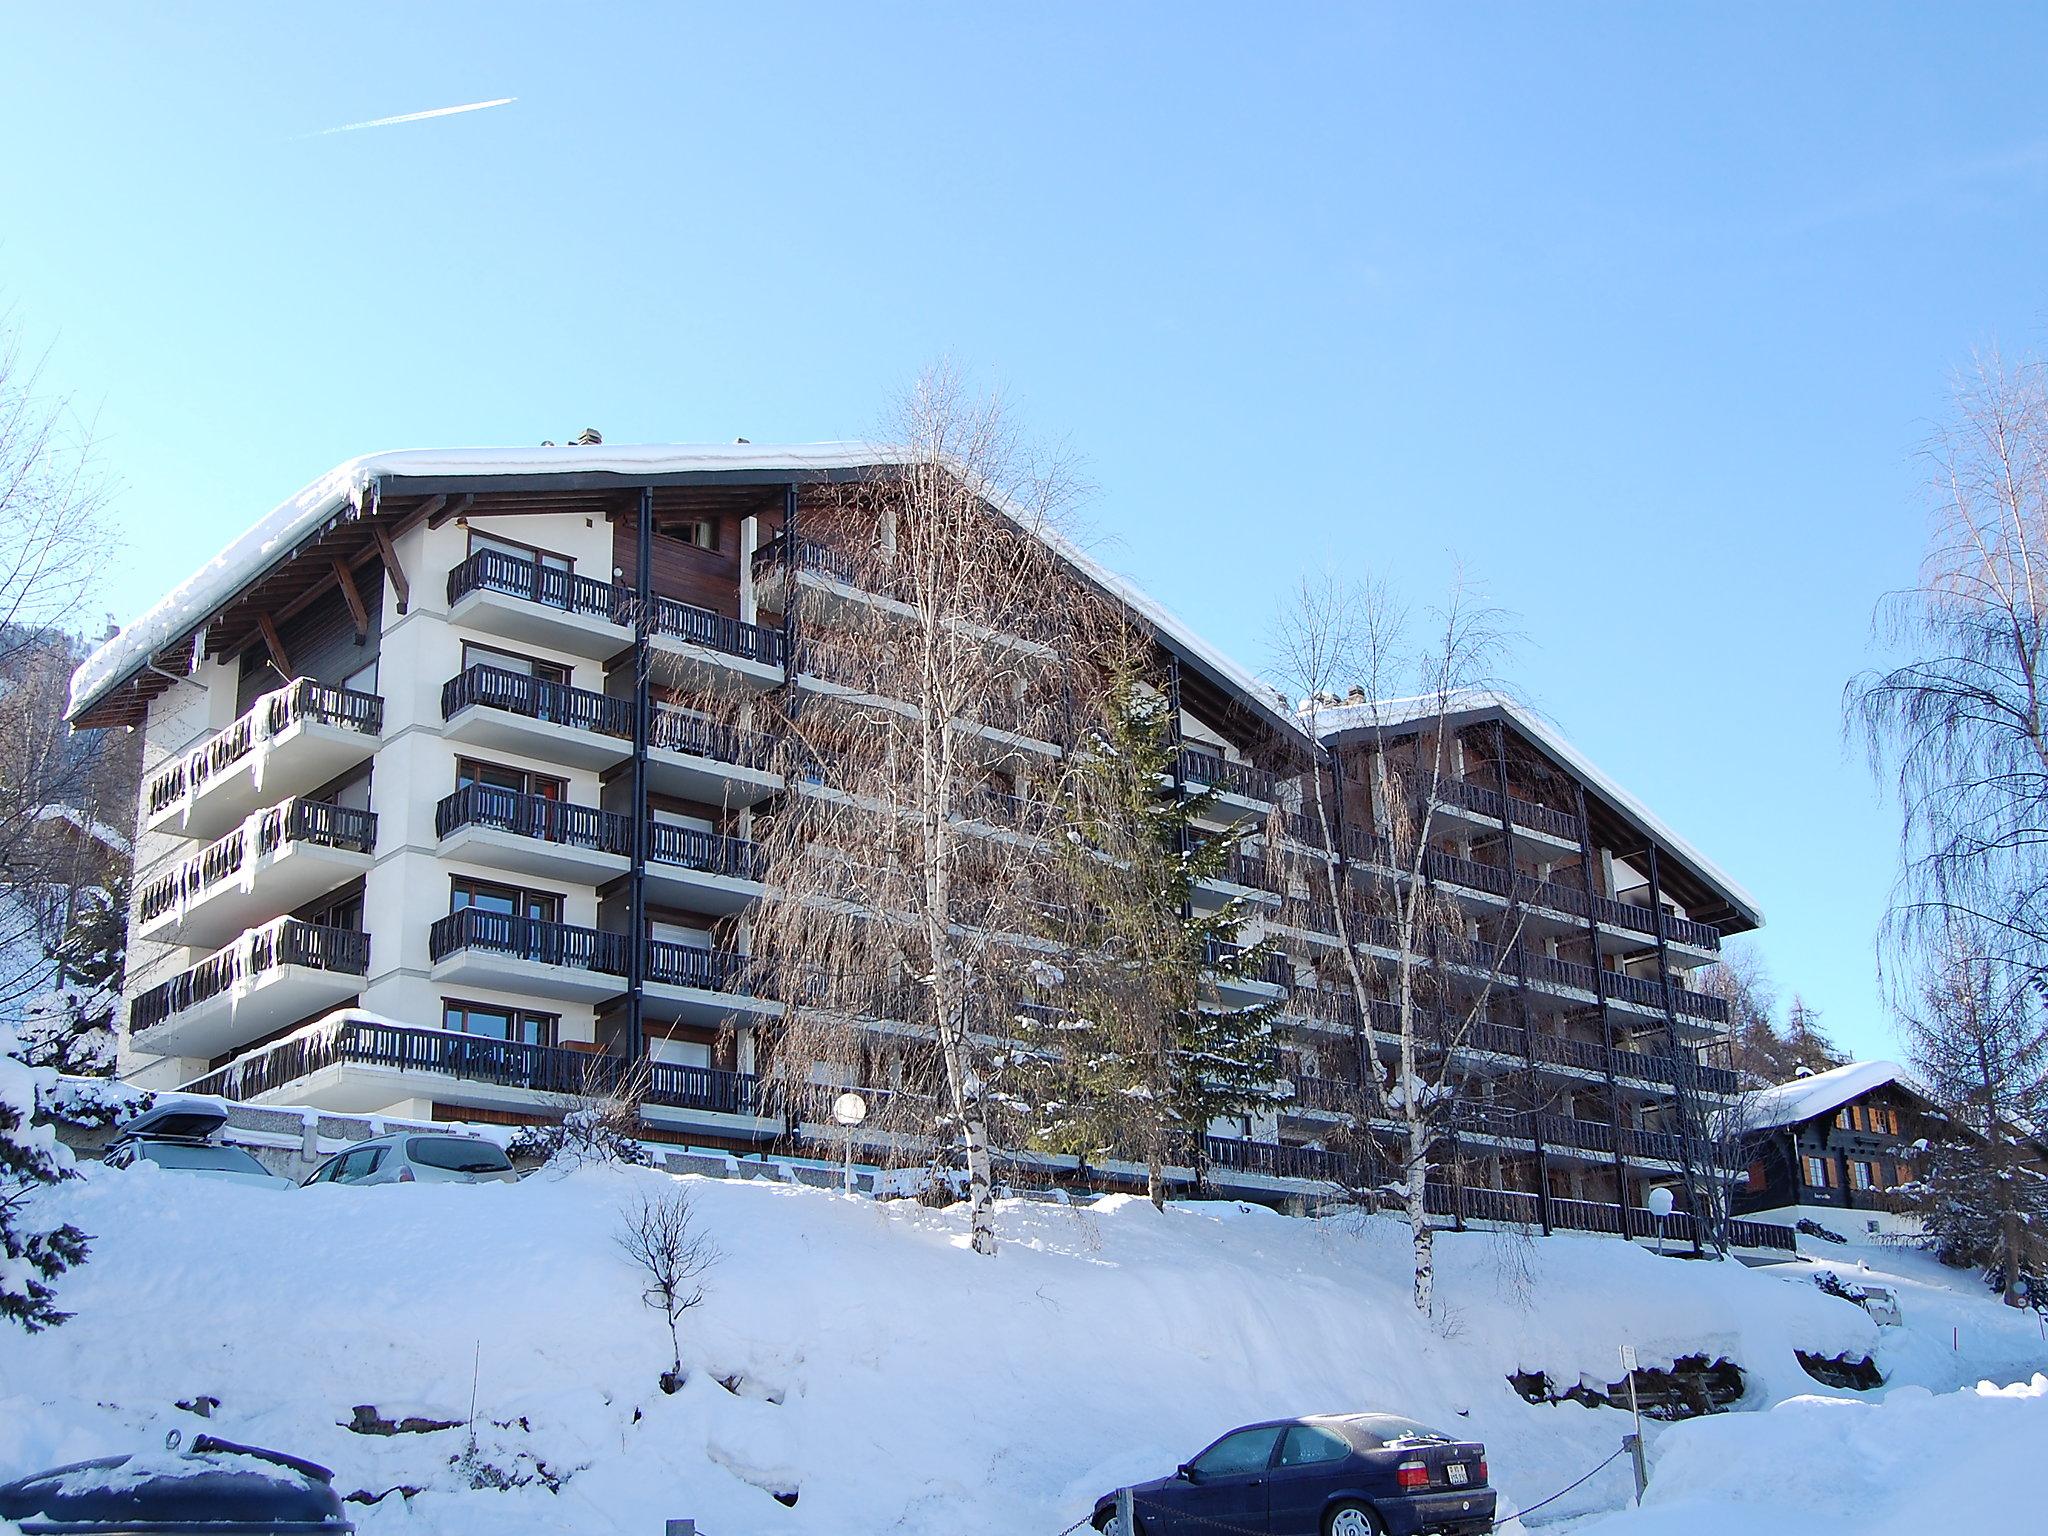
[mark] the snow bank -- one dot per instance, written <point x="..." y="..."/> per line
<point x="1912" y="1463"/>
<point x="879" y="1371"/>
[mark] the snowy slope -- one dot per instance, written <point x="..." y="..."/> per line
<point x="1910" y="1463"/>
<point x="884" y="1374"/>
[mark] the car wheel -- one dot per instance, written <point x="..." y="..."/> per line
<point x="1111" y="1524"/>
<point x="1351" y="1520"/>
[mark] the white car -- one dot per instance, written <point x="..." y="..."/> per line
<point x="424" y="1157"/>
<point x="177" y="1135"/>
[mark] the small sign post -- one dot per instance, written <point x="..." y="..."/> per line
<point x="1635" y="1441"/>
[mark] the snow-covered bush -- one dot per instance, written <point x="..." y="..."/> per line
<point x="31" y="1256"/>
<point x="602" y="1132"/>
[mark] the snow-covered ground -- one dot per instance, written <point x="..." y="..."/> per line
<point x="881" y="1372"/>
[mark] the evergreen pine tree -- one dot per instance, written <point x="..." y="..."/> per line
<point x="72" y="1027"/>
<point x="32" y="1255"/>
<point x="1139" y="1054"/>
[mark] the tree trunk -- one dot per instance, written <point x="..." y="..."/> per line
<point x="1421" y="1233"/>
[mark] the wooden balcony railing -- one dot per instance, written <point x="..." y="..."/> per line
<point x="1240" y="779"/>
<point x="494" y="570"/>
<point x="536" y="816"/>
<point x="679" y="730"/>
<point x="296" y="820"/>
<point x="537" y="699"/>
<point x="287" y="941"/>
<point x="271" y="715"/>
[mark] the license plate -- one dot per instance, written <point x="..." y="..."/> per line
<point x="1457" y="1473"/>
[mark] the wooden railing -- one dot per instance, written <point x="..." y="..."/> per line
<point x="1485" y="801"/>
<point x="287" y="941"/>
<point x="810" y="556"/>
<point x="535" y="816"/>
<point x="552" y="1070"/>
<point x="301" y="699"/>
<point x="716" y="632"/>
<point x="494" y="570"/>
<point x="1240" y="779"/>
<point x="678" y="730"/>
<point x="536" y="699"/>
<point x="711" y="852"/>
<point x="296" y="820"/>
<point x="528" y="938"/>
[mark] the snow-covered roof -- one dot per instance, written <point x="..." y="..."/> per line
<point x="1805" y="1098"/>
<point x="86" y="826"/>
<point x="1333" y="720"/>
<point x="194" y="601"/>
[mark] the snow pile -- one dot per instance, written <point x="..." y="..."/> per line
<point x="851" y="1355"/>
<point x="1912" y="1463"/>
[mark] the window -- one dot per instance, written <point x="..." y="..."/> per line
<point x="495" y="1021"/>
<point x="1816" y="1173"/>
<point x="468" y="771"/>
<point x="458" y="1154"/>
<point x="513" y="549"/>
<point x="1308" y="1446"/>
<point x="1235" y="1455"/>
<point x="701" y="532"/>
<point x="474" y="655"/>
<point x="1862" y="1174"/>
<point x="505" y="900"/>
<point x="1845" y="1119"/>
<point x="359" y="1164"/>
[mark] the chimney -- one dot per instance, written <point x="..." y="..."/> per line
<point x="589" y="437"/>
<point x="1356" y="695"/>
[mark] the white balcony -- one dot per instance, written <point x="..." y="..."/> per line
<point x="268" y="978"/>
<point x="289" y="742"/>
<point x="277" y="860"/>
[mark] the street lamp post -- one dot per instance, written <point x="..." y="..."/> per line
<point x="849" y="1109"/>
<point x="1658" y="1203"/>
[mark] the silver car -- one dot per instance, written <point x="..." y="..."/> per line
<point x="177" y="1134"/>
<point x="424" y="1157"/>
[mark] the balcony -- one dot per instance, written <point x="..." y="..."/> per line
<point x="1242" y="792"/>
<point x="705" y="648"/>
<point x="1474" y="801"/>
<point x="1276" y="1160"/>
<point x="276" y="860"/>
<point x="534" y="604"/>
<point x="700" y="985"/>
<point x="704" y="760"/>
<point x="361" y="1066"/>
<point x="999" y="727"/>
<point x="268" y="977"/>
<point x="524" y="954"/>
<point x="702" y="871"/>
<point x="1234" y="971"/>
<point x="533" y="835"/>
<point x="503" y="711"/>
<point x="290" y="741"/>
<point x="562" y="960"/>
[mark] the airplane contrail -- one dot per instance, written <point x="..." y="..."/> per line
<point x="416" y="117"/>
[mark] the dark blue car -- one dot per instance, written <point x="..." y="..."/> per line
<point x="1346" y="1474"/>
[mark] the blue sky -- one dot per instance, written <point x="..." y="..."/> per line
<point x="1638" y="313"/>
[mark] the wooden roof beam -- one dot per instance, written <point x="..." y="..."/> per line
<point x="396" y="572"/>
<point x="275" y="645"/>
<point x="356" y="610"/>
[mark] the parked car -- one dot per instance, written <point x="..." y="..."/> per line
<point x="177" y="1135"/>
<point x="426" y="1157"/>
<point x="1353" y="1474"/>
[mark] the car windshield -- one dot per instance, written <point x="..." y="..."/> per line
<point x="457" y="1154"/>
<point x="167" y="1154"/>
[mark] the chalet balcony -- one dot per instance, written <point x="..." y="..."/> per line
<point x="706" y="648"/>
<point x="362" y="1066"/>
<point x="1571" y="902"/>
<point x="1276" y="1160"/>
<point x="563" y="960"/>
<point x="533" y="835"/>
<point x="706" y="760"/>
<point x="1228" y="969"/>
<point x="1473" y="801"/>
<point x="1243" y="793"/>
<point x="1519" y="1208"/>
<point x="702" y="871"/>
<point x="291" y="741"/>
<point x="535" y="604"/>
<point x="276" y="860"/>
<point x="999" y="729"/>
<point x="523" y="954"/>
<point x="268" y="977"/>
<point x="503" y="711"/>
<point x="529" y="603"/>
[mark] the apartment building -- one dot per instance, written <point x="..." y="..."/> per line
<point x="428" y="825"/>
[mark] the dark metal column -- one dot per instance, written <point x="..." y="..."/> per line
<point x="1600" y="1001"/>
<point x="1687" y="1143"/>
<point x="643" y="730"/>
<point x="1507" y="823"/>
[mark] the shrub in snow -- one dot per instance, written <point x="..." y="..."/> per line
<point x="31" y="1256"/>
<point x="71" y="1027"/>
<point x="672" y="1257"/>
<point x="597" y="1133"/>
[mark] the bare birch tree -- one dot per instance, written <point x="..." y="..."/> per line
<point x="944" y="663"/>
<point x="660" y="1237"/>
<point x="1405" y="952"/>
<point x="1959" y="727"/>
